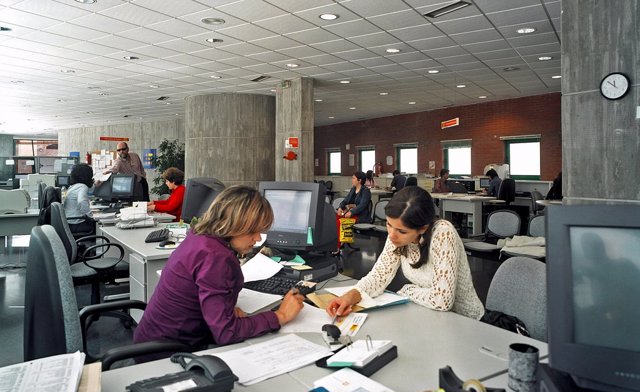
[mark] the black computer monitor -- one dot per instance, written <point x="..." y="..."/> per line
<point x="593" y="286"/>
<point x="122" y="187"/>
<point x="303" y="221"/>
<point x="63" y="181"/>
<point x="456" y="187"/>
<point x="484" y="182"/>
<point x="198" y="196"/>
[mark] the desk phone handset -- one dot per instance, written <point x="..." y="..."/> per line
<point x="206" y="373"/>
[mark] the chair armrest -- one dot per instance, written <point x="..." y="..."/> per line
<point x="86" y="254"/>
<point x="135" y="350"/>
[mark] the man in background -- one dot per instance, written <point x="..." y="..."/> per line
<point x="130" y="163"/>
<point x="398" y="181"/>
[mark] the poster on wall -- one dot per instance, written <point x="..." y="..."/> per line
<point x="147" y="156"/>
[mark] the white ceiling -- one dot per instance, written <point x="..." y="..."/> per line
<point x="471" y="46"/>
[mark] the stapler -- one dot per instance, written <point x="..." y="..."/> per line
<point x="331" y="335"/>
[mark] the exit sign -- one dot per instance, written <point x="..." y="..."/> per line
<point x="454" y="122"/>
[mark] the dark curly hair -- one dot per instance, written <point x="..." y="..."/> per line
<point x="174" y="175"/>
<point x="82" y="174"/>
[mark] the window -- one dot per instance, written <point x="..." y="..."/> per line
<point x="35" y="147"/>
<point x="367" y="158"/>
<point x="407" y="158"/>
<point x="457" y="156"/>
<point x="523" y="157"/>
<point x="335" y="162"/>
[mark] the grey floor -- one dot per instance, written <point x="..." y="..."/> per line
<point x="107" y="332"/>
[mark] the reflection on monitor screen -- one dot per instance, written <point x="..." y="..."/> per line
<point x="484" y="183"/>
<point x="63" y="181"/>
<point x="121" y="185"/>
<point x="290" y="209"/>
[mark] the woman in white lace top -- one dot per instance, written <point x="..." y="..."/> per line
<point x="431" y="255"/>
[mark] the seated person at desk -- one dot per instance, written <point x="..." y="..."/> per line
<point x="431" y="256"/>
<point x="173" y="179"/>
<point x="555" y="193"/>
<point x="441" y="184"/>
<point x="356" y="204"/>
<point x="369" y="182"/>
<point x="195" y="300"/>
<point x="76" y="202"/>
<point x="494" y="183"/>
<point x="397" y="182"/>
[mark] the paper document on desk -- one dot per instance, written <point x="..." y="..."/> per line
<point x="57" y="373"/>
<point x="250" y="301"/>
<point x="348" y="380"/>
<point x="385" y="299"/>
<point x="271" y="358"/>
<point x="259" y="267"/>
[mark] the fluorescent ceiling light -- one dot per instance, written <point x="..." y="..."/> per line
<point x="212" y="21"/>
<point x="214" y="40"/>
<point x="293" y="65"/>
<point x="447" y="8"/>
<point x="384" y="93"/>
<point x="215" y="77"/>
<point x="329" y="16"/>
<point x="345" y="81"/>
<point x="412" y="103"/>
<point x="393" y="50"/>
<point x="482" y="97"/>
<point x="544" y="58"/>
<point x="318" y="100"/>
<point x="461" y="86"/>
<point x="556" y="76"/>
<point x="86" y="1"/>
<point x="433" y="71"/>
<point x="331" y="117"/>
<point x="526" y="30"/>
<point x="352" y="108"/>
<point x="131" y="58"/>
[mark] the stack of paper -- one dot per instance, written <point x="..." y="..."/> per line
<point x="360" y="353"/>
<point x="348" y="380"/>
<point x="385" y="299"/>
<point x="57" y="373"/>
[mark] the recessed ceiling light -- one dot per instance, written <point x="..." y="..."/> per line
<point x="94" y="88"/>
<point x="3" y="28"/>
<point x="448" y="8"/>
<point x="461" y="85"/>
<point x="384" y="93"/>
<point x="318" y="100"/>
<point x="433" y="71"/>
<point x="293" y="65"/>
<point x="526" y="30"/>
<point x="103" y="94"/>
<point x="482" y="97"/>
<point x="86" y="1"/>
<point x="168" y="103"/>
<point x="544" y="58"/>
<point x="352" y="108"/>
<point x="212" y="21"/>
<point x="556" y="76"/>
<point x="214" y="40"/>
<point x="215" y="77"/>
<point x="329" y="16"/>
<point x="154" y="86"/>
<point x="331" y="117"/>
<point x="131" y="58"/>
<point x="412" y="103"/>
<point x="273" y="90"/>
<point x="67" y="71"/>
<point x="345" y="81"/>
<point x="392" y="50"/>
<point x="509" y="69"/>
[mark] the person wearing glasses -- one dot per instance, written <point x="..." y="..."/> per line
<point x="130" y="163"/>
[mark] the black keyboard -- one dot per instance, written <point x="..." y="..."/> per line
<point x="158" y="235"/>
<point x="278" y="285"/>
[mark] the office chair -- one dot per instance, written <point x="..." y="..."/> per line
<point x="89" y="268"/>
<point x="506" y="193"/>
<point x="52" y="323"/>
<point x="336" y="203"/>
<point x="535" y="207"/>
<point x="518" y="288"/>
<point x="41" y="187"/>
<point x="378" y="222"/>
<point x="500" y="224"/>
<point x="537" y="226"/>
<point x="49" y="195"/>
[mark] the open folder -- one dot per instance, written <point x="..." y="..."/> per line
<point x="359" y="353"/>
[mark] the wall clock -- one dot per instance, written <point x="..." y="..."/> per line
<point x="614" y="86"/>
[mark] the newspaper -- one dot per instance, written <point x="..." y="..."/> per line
<point x="59" y="373"/>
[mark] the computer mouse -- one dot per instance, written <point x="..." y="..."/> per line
<point x="165" y="243"/>
<point x="213" y="368"/>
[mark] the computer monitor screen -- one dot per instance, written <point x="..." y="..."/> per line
<point x="198" y="196"/>
<point x="63" y="181"/>
<point x="484" y="183"/>
<point x="122" y="187"/>
<point x="457" y="187"/>
<point x="303" y="221"/>
<point x="593" y="272"/>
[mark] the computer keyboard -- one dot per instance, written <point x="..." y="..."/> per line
<point x="158" y="235"/>
<point x="278" y="285"/>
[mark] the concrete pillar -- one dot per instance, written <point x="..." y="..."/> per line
<point x="600" y="138"/>
<point x="294" y="118"/>
<point x="230" y="137"/>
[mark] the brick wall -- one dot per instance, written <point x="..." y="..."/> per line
<point x="483" y="123"/>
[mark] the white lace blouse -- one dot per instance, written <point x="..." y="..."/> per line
<point x="443" y="283"/>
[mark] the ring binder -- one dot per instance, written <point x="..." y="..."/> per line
<point x="364" y="356"/>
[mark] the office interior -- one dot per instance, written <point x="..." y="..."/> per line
<point x="67" y="78"/>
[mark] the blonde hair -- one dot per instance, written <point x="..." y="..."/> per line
<point x="237" y="210"/>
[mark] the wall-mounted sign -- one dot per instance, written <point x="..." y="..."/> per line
<point x="291" y="142"/>
<point x="114" y="139"/>
<point x="454" y="122"/>
<point x="147" y="156"/>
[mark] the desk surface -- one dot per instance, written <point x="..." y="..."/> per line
<point x="461" y="196"/>
<point x="549" y="202"/>
<point x="427" y="340"/>
<point x="133" y="239"/>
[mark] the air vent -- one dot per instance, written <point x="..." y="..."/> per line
<point x="260" y="78"/>
<point x="163" y="98"/>
<point x="447" y="8"/>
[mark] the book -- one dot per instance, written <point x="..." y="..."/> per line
<point x="348" y="380"/>
<point x="359" y="353"/>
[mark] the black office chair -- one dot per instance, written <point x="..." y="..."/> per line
<point x="411" y="181"/>
<point x="52" y="323"/>
<point x="507" y="191"/>
<point x="41" y="187"/>
<point x="50" y="195"/>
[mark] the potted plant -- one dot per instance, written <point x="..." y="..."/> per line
<point x="170" y="153"/>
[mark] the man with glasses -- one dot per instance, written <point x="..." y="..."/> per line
<point x="130" y="163"/>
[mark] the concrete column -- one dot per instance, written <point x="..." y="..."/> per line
<point x="230" y="137"/>
<point x="294" y="118"/>
<point x="600" y="138"/>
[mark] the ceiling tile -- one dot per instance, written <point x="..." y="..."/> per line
<point x="103" y="23"/>
<point x="131" y="13"/>
<point x="353" y="28"/>
<point x="285" y="24"/>
<point x="251" y="10"/>
<point x="177" y="28"/>
<point x="174" y="8"/>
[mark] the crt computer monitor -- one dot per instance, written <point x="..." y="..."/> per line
<point x="63" y="181"/>
<point x="122" y="187"/>
<point x="593" y="287"/>
<point x="484" y="182"/>
<point x="303" y="221"/>
<point x="198" y="196"/>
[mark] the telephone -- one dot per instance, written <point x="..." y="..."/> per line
<point x="206" y="373"/>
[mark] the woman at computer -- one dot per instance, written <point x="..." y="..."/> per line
<point x="494" y="182"/>
<point x="173" y="179"/>
<point x="431" y="256"/>
<point x="369" y="182"/>
<point x="441" y="184"/>
<point x="195" y="302"/>
<point x="76" y="202"/>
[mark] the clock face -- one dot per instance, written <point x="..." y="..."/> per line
<point x="614" y="86"/>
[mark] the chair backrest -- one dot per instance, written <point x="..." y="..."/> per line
<point x="378" y="212"/>
<point x="41" y="187"/>
<point x="535" y="207"/>
<point x="411" y="181"/>
<point x="519" y="288"/>
<point x="14" y="201"/>
<point x="503" y="223"/>
<point x="328" y="184"/>
<point x="507" y="190"/>
<point x="61" y="226"/>
<point x="536" y="226"/>
<point x="336" y="202"/>
<point x="50" y="195"/>
<point x="51" y="320"/>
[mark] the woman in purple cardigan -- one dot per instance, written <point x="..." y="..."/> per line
<point x="195" y="300"/>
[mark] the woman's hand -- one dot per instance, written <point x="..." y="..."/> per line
<point x="343" y="305"/>
<point x="347" y="215"/>
<point x="239" y="312"/>
<point x="151" y="207"/>
<point x="290" y="307"/>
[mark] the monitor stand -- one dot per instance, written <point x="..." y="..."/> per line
<point x="555" y="381"/>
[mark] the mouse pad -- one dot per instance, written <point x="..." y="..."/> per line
<point x="167" y="247"/>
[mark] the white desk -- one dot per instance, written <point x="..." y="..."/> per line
<point x="549" y="202"/>
<point x="427" y="340"/>
<point x="467" y="204"/>
<point x="18" y="224"/>
<point x="144" y="260"/>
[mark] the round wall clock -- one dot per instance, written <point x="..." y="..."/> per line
<point x="614" y="86"/>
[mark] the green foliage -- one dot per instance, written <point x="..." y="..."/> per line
<point x="169" y="154"/>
